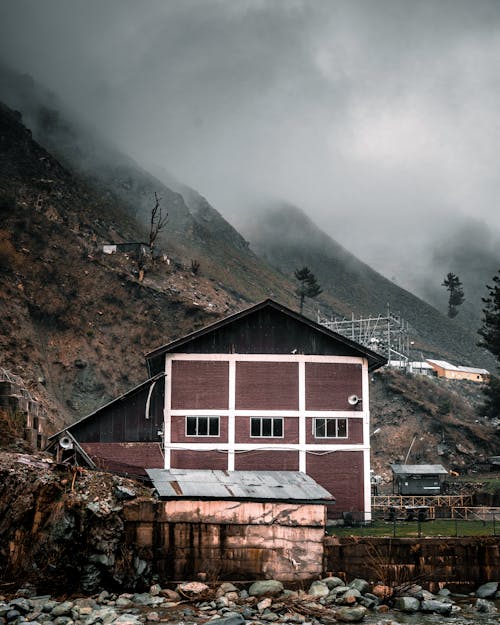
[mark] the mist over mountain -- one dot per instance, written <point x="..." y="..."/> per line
<point x="287" y="239"/>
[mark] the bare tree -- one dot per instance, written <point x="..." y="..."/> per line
<point x="156" y="225"/>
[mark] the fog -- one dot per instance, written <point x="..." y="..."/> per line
<point x="378" y="119"/>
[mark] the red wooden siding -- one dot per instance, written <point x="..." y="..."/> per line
<point x="178" y="432"/>
<point x="354" y="431"/>
<point x="341" y="473"/>
<point x="267" y="386"/>
<point x="328" y="385"/>
<point x="130" y="458"/>
<point x="290" y="432"/>
<point x="267" y="461"/>
<point x="189" y="459"/>
<point x="200" y="385"/>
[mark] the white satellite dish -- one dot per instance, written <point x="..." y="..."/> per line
<point x="353" y="400"/>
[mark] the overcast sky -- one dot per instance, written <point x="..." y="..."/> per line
<point x="379" y="118"/>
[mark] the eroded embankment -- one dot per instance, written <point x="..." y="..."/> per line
<point x="64" y="527"/>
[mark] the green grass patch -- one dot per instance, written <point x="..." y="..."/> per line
<point x="410" y="529"/>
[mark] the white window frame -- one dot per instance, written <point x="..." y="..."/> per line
<point x="272" y="419"/>
<point x="198" y="417"/>
<point x="325" y="419"/>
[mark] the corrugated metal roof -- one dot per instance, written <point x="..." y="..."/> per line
<point x="419" y="469"/>
<point x="443" y="364"/>
<point x="474" y="370"/>
<point x="256" y="485"/>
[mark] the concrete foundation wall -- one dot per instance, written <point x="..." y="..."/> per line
<point x="470" y="561"/>
<point x="228" y="539"/>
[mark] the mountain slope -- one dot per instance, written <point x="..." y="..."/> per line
<point x="288" y="239"/>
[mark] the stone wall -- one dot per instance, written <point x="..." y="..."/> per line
<point x="469" y="561"/>
<point x="228" y="539"/>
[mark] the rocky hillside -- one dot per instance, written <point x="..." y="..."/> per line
<point x="74" y="321"/>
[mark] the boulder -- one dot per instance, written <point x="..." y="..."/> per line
<point x="192" y="589"/>
<point x="360" y="584"/>
<point x="62" y="609"/>
<point x="484" y="606"/>
<point x="233" y="619"/>
<point x="350" y="597"/>
<point x="270" y="587"/>
<point x="332" y="582"/>
<point x="319" y="589"/>
<point x="350" y="615"/>
<point x="487" y="590"/>
<point x="407" y="604"/>
<point x="435" y="606"/>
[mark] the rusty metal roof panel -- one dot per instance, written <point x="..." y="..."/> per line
<point x="254" y="485"/>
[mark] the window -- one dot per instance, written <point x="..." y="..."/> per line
<point x="266" y="426"/>
<point x="202" y="426"/>
<point x="330" y="428"/>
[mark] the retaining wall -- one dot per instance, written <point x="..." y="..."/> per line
<point x="470" y="561"/>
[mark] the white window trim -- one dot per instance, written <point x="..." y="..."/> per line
<point x="272" y="419"/>
<point x="336" y="428"/>
<point x="197" y="417"/>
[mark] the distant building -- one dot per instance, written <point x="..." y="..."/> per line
<point x="264" y="389"/>
<point x="446" y="370"/>
<point x="418" y="479"/>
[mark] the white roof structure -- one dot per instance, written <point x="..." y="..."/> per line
<point x="449" y="367"/>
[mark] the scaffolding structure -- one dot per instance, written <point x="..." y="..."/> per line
<point x="387" y="335"/>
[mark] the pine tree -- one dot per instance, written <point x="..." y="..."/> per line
<point x="490" y="339"/>
<point x="456" y="298"/>
<point x="308" y="285"/>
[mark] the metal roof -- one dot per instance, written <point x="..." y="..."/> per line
<point x="375" y="360"/>
<point x="245" y="485"/>
<point x="419" y="469"/>
<point x="449" y="367"/>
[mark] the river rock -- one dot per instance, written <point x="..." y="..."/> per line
<point x="127" y="619"/>
<point x="170" y="594"/>
<point x="226" y="587"/>
<point x="264" y="603"/>
<point x="438" y="607"/>
<point x="271" y="587"/>
<point x="62" y="609"/>
<point x="484" y="606"/>
<point x="360" y="584"/>
<point x="332" y="582"/>
<point x="350" y="615"/>
<point x="407" y="604"/>
<point x="319" y="589"/>
<point x="192" y="589"/>
<point x="23" y="605"/>
<point x="232" y="619"/>
<point x="487" y="590"/>
<point x="350" y="597"/>
<point x="381" y="591"/>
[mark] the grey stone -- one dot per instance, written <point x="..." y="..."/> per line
<point x="339" y="590"/>
<point x="12" y="615"/>
<point x="124" y="493"/>
<point x="407" y="604"/>
<point x="444" y="592"/>
<point x="269" y="616"/>
<point x="360" y="584"/>
<point x="247" y="613"/>
<point x="127" y="619"/>
<point x="62" y="609"/>
<point x="369" y="595"/>
<point x="232" y="619"/>
<point x="350" y="615"/>
<point x="367" y="602"/>
<point x="48" y="606"/>
<point x="433" y="605"/>
<point x="332" y="582"/>
<point x="349" y="597"/>
<point x="486" y="590"/>
<point x="271" y="587"/>
<point x="23" y="605"/>
<point x="63" y="620"/>
<point x="123" y="602"/>
<point x="318" y="589"/>
<point x="227" y="587"/>
<point x="143" y="598"/>
<point x="484" y="606"/>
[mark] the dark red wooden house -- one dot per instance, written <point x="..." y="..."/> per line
<point x="265" y="388"/>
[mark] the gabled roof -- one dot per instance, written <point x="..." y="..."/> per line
<point x="375" y="360"/>
<point x="241" y="485"/>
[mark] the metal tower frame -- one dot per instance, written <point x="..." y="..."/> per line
<point x="387" y="335"/>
